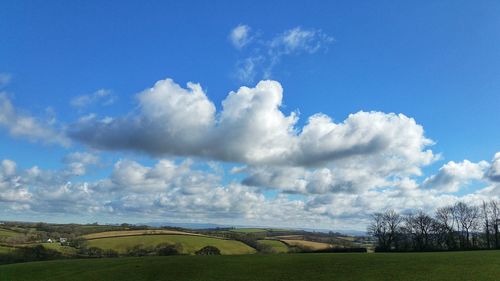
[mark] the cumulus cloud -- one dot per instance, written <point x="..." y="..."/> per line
<point x="172" y="189"/>
<point x="23" y="125"/>
<point x="252" y="129"/>
<point x="240" y="36"/>
<point x="101" y="96"/>
<point x="78" y="162"/>
<point x="452" y="176"/>
<point x="263" y="55"/>
<point x="494" y="172"/>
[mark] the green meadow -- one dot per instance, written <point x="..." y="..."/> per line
<point x="452" y="266"/>
<point x="190" y="244"/>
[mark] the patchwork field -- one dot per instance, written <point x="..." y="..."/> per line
<point x="450" y="266"/>
<point x="134" y="233"/>
<point x="190" y="243"/>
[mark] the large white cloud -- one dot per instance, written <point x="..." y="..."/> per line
<point x="252" y="129"/>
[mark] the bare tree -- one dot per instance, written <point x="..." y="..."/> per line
<point x="495" y="219"/>
<point x="467" y="217"/>
<point x="486" y="216"/>
<point x="445" y="226"/>
<point x="420" y="227"/>
<point x="386" y="228"/>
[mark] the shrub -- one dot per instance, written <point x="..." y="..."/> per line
<point x="94" y="252"/>
<point x="139" y="251"/>
<point x="208" y="251"/>
<point x="166" y="249"/>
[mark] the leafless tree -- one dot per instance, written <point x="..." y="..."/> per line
<point x="420" y="226"/>
<point x="486" y="215"/>
<point x="495" y="220"/>
<point x="467" y="217"/>
<point x="445" y="226"/>
<point x="386" y="228"/>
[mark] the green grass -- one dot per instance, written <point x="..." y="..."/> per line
<point x="7" y="232"/>
<point x="277" y="246"/>
<point x="65" y="250"/>
<point x="455" y="266"/>
<point x="5" y="249"/>
<point x="190" y="244"/>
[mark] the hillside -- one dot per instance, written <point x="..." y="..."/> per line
<point x="189" y="243"/>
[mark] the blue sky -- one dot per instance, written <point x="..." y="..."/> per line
<point x="435" y="62"/>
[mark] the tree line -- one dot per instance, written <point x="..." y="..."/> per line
<point x="460" y="226"/>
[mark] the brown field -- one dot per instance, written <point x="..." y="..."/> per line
<point x="347" y="238"/>
<point x="307" y="244"/>
<point x="121" y="233"/>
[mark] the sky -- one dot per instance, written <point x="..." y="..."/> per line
<point x="261" y="113"/>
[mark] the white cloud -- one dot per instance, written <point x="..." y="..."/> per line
<point x="102" y="96"/>
<point x="179" y="190"/>
<point x="23" y="125"/>
<point x="297" y="40"/>
<point x="264" y="55"/>
<point x="252" y="129"/>
<point x="78" y="162"/>
<point x="452" y="176"/>
<point x="240" y="36"/>
<point x="494" y="172"/>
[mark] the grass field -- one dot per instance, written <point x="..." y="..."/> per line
<point x="133" y="233"/>
<point x="7" y="232"/>
<point x="5" y="250"/>
<point x="190" y="244"/>
<point x="451" y="266"/>
<point x="277" y="246"/>
<point x="307" y="244"/>
<point x="65" y="250"/>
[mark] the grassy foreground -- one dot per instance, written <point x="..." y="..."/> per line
<point x="454" y="266"/>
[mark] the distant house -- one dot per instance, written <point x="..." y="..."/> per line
<point x="63" y="240"/>
<point x="50" y="241"/>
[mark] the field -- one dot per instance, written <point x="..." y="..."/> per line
<point x="4" y="249"/>
<point x="7" y="232"/>
<point x="307" y="244"/>
<point x="133" y="233"/>
<point x="190" y="244"/>
<point x="277" y="246"/>
<point x="452" y="266"/>
<point x="248" y="230"/>
<point x="64" y="250"/>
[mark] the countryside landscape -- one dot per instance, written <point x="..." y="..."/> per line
<point x="249" y="140"/>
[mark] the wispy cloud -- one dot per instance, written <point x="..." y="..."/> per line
<point x="240" y="36"/>
<point x="101" y="96"/>
<point x="262" y="55"/>
<point x="4" y="79"/>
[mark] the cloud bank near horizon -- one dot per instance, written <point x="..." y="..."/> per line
<point x="323" y="173"/>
